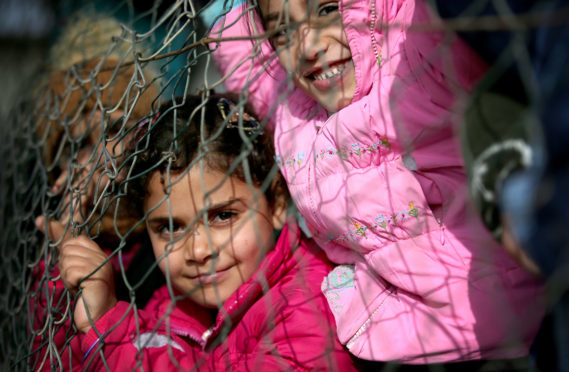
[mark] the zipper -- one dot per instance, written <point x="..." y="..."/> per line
<point x="189" y="334"/>
<point x="206" y="335"/>
<point x="442" y="232"/>
<point x="366" y="324"/>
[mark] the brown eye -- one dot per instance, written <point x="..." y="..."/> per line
<point x="223" y="216"/>
<point x="280" y="36"/>
<point x="165" y="231"/>
<point x="327" y="9"/>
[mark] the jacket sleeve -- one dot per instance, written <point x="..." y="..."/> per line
<point x="395" y="110"/>
<point x="432" y="271"/>
<point x="247" y="65"/>
<point x="428" y="274"/>
<point x="125" y="339"/>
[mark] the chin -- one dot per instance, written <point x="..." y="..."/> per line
<point x="343" y="102"/>
<point x="333" y="101"/>
<point x="338" y="105"/>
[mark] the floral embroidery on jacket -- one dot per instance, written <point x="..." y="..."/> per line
<point x="360" y="229"/>
<point x="345" y="153"/>
<point x="339" y="280"/>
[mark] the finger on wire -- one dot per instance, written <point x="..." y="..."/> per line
<point x="80" y="258"/>
<point x="55" y="230"/>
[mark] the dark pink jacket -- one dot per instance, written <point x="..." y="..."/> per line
<point x="278" y="320"/>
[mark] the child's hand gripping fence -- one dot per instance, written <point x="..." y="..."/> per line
<point x="68" y="157"/>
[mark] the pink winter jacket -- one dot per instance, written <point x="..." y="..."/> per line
<point x="278" y="320"/>
<point x="382" y="187"/>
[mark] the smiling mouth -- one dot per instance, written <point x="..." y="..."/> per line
<point x="208" y="278"/>
<point x="329" y="73"/>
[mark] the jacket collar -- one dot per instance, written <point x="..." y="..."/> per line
<point x="358" y="17"/>
<point x="274" y="266"/>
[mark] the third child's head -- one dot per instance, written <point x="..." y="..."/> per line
<point x="209" y="225"/>
<point x="312" y="46"/>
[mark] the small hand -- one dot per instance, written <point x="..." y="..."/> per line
<point x="83" y="266"/>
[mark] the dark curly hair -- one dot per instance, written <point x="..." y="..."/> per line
<point x="214" y="129"/>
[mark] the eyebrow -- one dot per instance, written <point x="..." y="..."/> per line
<point x="225" y="204"/>
<point x="212" y="208"/>
<point x="273" y="17"/>
<point x="158" y="221"/>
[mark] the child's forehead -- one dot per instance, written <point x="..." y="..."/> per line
<point x="196" y="183"/>
<point x="197" y="174"/>
<point x="190" y="193"/>
<point x="293" y="10"/>
<point x="273" y="7"/>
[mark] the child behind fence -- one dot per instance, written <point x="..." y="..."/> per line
<point x="365" y="140"/>
<point x="84" y="109"/>
<point x="236" y="298"/>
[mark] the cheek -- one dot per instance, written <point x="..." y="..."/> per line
<point x="158" y="252"/>
<point x="252" y="248"/>
<point x="287" y="60"/>
<point x="244" y="249"/>
<point x="173" y="260"/>
<point x="158" y="247"/>
<point x="246" y="253"/>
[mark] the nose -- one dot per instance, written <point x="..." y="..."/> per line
<point x="310" y="41"/>
<point x="198" y="248"/>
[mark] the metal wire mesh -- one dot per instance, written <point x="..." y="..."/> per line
<point x="64" y="156"/>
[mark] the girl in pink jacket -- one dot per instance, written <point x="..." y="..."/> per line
<point x="365" y="140"/>
<point x="235" y="299"/>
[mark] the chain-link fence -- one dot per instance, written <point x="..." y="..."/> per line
<point x="121" y="146"/>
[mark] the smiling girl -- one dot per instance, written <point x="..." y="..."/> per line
<point x="236" y="298"/>
<point x="365" y="140"/>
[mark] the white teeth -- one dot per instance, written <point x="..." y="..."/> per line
<point x="330" y="73"/>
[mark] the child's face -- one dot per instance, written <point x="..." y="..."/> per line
<point x="313" y="48"/>
<point x="208" y="262"/>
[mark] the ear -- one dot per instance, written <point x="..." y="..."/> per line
<point x="279" y="212"/>
<point x="280" y="203"/>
